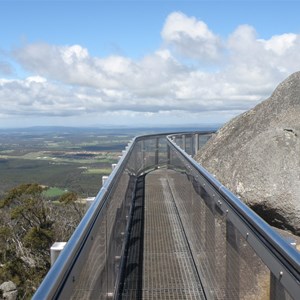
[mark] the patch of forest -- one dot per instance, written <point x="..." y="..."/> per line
<point x="29" y="225"/>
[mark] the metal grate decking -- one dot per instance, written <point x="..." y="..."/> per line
<point x="159" y="263"/>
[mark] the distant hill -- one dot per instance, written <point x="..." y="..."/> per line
<point x="122" y="130"/>
<point x="257" y="156"/>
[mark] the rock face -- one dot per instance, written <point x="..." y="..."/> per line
<point x="9" y="291"/>
<point x="257" y="156"/>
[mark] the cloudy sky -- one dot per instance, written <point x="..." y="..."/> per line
<point x="83" y="63"/>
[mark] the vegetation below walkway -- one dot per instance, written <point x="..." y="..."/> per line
<point x="29" y="225"/>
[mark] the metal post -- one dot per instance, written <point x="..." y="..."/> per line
<point x="196" y="138"/>
<point x="191" y="146"/>
<point x="104" y="178"/>
<point x="232" y="262"/>
<point x="143" y="154"/>
<point x="277" y="291"/>
<point x="210" y="244"/>
<point x="55" y="250"/>
<point x="89" y="202"/>
<point x="156" y="151"/>
<point x="183" y="142"/>
<point x="168" y="155"/>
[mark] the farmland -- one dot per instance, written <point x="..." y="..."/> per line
<point x="60" y="158"/>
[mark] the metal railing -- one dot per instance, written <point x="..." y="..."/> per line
<point x="237" y="255"/>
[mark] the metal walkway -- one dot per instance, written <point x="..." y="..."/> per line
<point x="159" y="224"/>
<point x="160" y="264"/>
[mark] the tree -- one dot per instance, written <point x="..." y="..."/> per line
<point x="29" y="224"/>
<point x="26" y="236"/>
<point x="29" y="213"/>
<point x="71" y="198"/>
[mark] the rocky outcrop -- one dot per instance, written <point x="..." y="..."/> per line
<point x="257" y="156"/>
<point x="9" y="290"/>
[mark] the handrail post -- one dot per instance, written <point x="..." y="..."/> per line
<point x="55" y="250"/>
<point x="168" y="155"/>
<point x="277" y="291"/>
<point x="156" y="151"/>
<point x="196" y="142"/>
<point x="210" y="242"/>
<point x="232" y="262"/>
<point x="192" y="146"/>
<point x="143" y="153"/>
<point x="183" y="142"/>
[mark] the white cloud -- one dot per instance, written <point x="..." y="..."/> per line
<point x="38" y="79"/>
<point x="73" y="54"/>
<point x="191" y="37"/>
<point x="280" y="44"/>
<point x="68" y="64"/>
<point x="256" y="65"/>
<point x="68" y="81"/>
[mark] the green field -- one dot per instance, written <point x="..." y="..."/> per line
<point x="54" y="192"/>
<point x="82" y="178"/>
<point x="103" y="171"/>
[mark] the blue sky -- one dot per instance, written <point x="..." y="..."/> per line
<point x="78" y="63"/>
